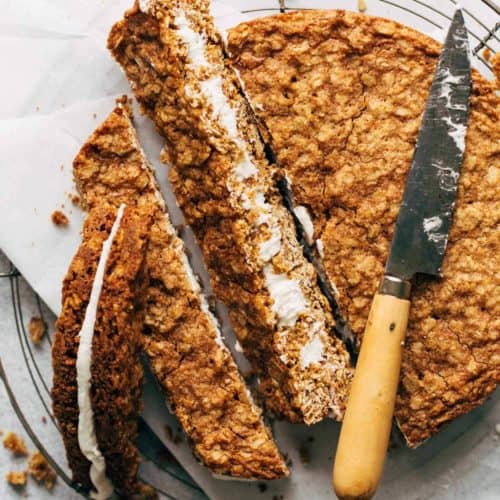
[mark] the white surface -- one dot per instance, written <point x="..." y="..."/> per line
<point x="61" y="83"/>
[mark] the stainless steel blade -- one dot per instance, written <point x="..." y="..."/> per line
<point x="425" y="216"/>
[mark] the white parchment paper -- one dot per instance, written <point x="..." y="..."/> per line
<point x="57" y="83"/>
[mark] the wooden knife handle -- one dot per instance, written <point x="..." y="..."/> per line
<point x="364" y="436"/>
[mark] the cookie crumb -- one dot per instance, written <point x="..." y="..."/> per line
<point x="125" y="103"/>
<point x="487" y="54"/>
<point x="15" y="444"/>
<point x="94" y="115"/>
<point x="41" y="471"/>
<point x="362" y="5"/>
<point x="59" y="219"/>
<point x="44" y="419"/>
<point x="75" y="199"/>
<point x="37" y="329"/>
<point x="16" y="478"/>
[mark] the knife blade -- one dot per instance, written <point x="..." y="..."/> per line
<point x="418" y="246"/>
<point x="425" y="215"/>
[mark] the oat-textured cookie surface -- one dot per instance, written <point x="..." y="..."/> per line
<point x="115" y="369"/>
<point x="182" y="339"/>
<point x="342" y="95"/>
<point x="174" y="58"/>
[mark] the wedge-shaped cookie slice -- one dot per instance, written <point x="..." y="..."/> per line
<point x="181" y="338"/>
<point x="98" y="340"/>
<point x="342" y="96"/>
<point x="174" y="58"/>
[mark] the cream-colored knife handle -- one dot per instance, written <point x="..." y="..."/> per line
<point x="364" y="436"/>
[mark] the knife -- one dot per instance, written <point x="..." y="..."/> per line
<point x="418" y="246"/>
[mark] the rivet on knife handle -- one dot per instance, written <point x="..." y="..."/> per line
<point x="367" y="422"/>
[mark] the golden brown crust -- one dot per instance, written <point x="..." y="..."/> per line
<point x="116" y="370"/>
<point x="204" y="154"/>
<point x="342" y="96"/>
<point x="197" y="372"/>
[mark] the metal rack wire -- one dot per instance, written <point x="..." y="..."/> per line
<point x="482" y="36"/>
<point x="149" y="444"/>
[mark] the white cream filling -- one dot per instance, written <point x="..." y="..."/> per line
<point x="195" y="43"/>
<point x="245" y="169"/>
<point x="431" y="226"/>
<point x="305" y="220"/>
<point x="222" y="111"/>
<point x="289" y="300"/>
<point x="144" y="5"/>
<point x="321" y="248"/>
<point x="87" y="438"/>
<point x="271" y="247"/>
<point x="312" y="352"/>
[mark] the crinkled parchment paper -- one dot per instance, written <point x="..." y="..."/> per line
<point x="57" y="83"/>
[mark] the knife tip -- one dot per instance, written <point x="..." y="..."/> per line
<point x="457" y="34"/>
<point x="459" y="14"/>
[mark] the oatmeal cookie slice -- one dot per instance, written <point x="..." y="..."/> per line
<point x="181" y="336"/>
<point x="96" y="352"/>
<point x="175" y="61"/>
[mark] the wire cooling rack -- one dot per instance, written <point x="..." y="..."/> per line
<point x="20" y="360"/>
<point x="28" y="361"/>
